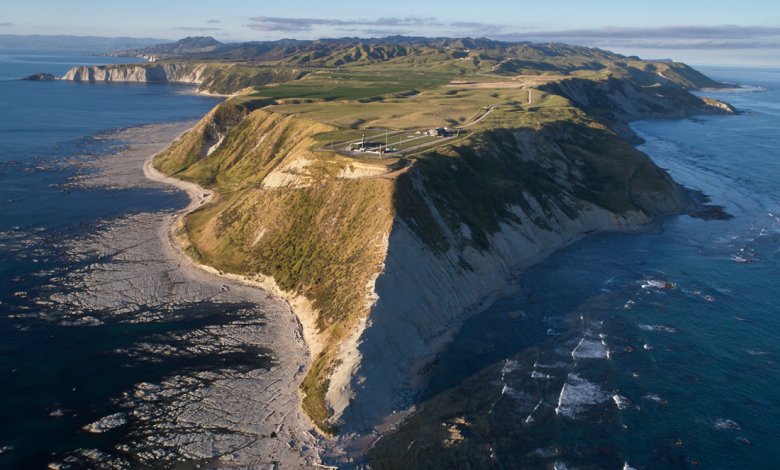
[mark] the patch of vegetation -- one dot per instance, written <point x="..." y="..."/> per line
<point x="230" y="79"/>
<point x="349" y="86"/>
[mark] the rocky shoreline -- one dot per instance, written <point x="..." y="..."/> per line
<point x="237" y="414"/>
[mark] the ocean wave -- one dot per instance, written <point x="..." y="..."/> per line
<point x="620" y="401"/>
<point x="577" y="394"/>
<point x="725" y="424"/>
<point x="554" y="365"/>
<point x="539" y="375"/>
<point x="662" y="328"/>
<point x="509" y="366"/>
<point x="755" y="352"/>
<point x="658" y="285"/>
<point x="655" y="398"/>
<point x="590" y="349"/>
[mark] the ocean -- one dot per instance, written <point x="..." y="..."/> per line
<point x="650" y="351"/>
<point x="57" y="374"/>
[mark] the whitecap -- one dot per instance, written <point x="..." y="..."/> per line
<point x="655" y="398"/>
<point x="754" y="352"/>
<point x="656" y="284"/>
<point x="577" y="394"/>
<point x="620" y="401"/>
<point x="530" y="418"/>
<point x="663" y="328"/>
<point x="554" y="365"/>
<point x="725" y="424"/>
<point x="509" y="366"/>
<point x="539" y="375"/>
<point x="590" y="349"/>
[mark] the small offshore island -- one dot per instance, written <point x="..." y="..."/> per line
<point x="391" y="188"/>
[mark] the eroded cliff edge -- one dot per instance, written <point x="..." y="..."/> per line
<point x="384" y="257"/>
<point x="208" y="77"/>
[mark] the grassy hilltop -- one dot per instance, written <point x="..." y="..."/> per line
<point x="528" y="125"/>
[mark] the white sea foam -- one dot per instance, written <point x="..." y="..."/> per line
<point x="590" y="349"/>
<point x="656" y="284"/>
<point x="655" y="398"/>
<point x="754" y="352"/>
<point x="509" y="366"/>
<point x="530" y="418"/>
<point x="539" y="375"/>
<point x="577" y="394"/>
<point x="725" y="424"/>
<point x="620" y="401"/>
<point x="554" y="365"/>
<point x="663" y="328"/>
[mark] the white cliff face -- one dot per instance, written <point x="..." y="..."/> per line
<point x="142" y="73"/>
<point x="423" y="298"/>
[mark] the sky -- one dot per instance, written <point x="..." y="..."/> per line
<point x="719" y="32"/>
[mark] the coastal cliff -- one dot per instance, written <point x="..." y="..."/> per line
<point x="342" y="190"/>
<point x="462" y="233"/>
<point x="382" y="266"/>
<point x="144" y="73"/>
<point x="210" y="78"/>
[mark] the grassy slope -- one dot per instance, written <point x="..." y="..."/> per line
<point x="318" y="241"/>
<point x="324" y="239"/>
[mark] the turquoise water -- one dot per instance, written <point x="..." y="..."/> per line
<point x="656" y="350"/>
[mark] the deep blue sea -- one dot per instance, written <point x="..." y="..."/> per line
<point x="656" y="350"/>
<point x="55" y="379"/>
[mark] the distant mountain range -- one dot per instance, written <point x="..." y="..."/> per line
<point x="341" y="51"/>
<point x="74" y="43"/>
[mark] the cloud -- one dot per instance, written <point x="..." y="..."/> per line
<point x="212" y="21"/>
<point x="383" y="26"/>
<point x="670" y="37"/>
<point x="197" y="28"/>
<point x="273" y="23"/>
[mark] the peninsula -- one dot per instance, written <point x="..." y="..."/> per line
<point x="389" y="188"/>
